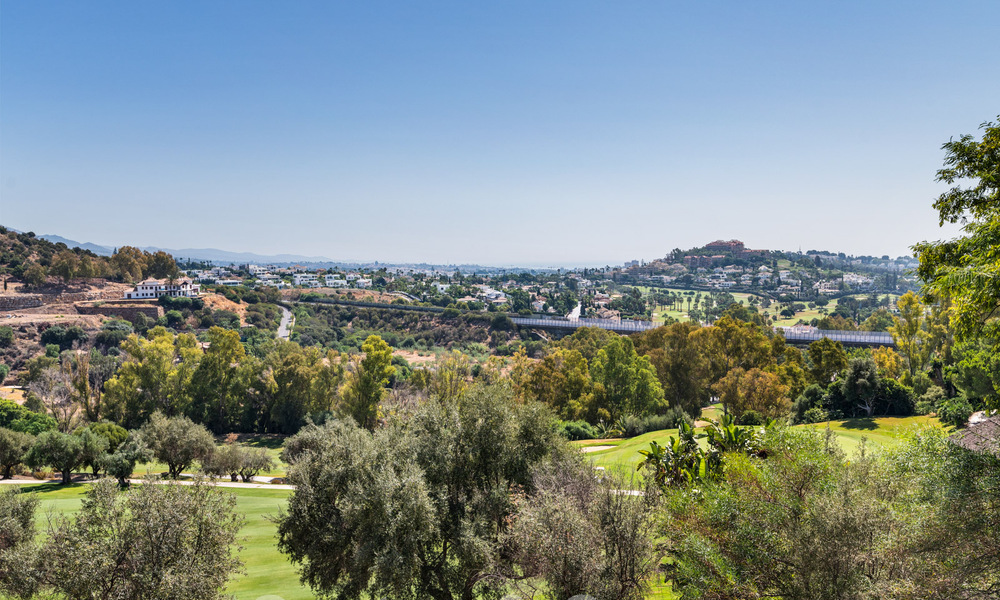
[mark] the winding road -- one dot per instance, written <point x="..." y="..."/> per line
<point x="287" y="321"/>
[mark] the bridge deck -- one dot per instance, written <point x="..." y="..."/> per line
<point x="847" y="338"/>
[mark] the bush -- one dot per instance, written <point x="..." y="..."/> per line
<point x="752" y="417"/>
<point x="502" y="322"/>
<point x="955" y="411"/>
<point x="811" y="397"/>
<point x="174" y="318"/>
<point x="933" y="395"/>
<point x="632" y="425"/>
<point x="921" y="383"/>
<point x="6" y="336"/>
<point x="924" y="407"/>
<point x="576" y="430"/>
<point x="52" y="351"/>
<point x="671" y="419"/>
<point x="815" y="415"/>
<point x="4" y="370"/>
<point x="63" y="337"/>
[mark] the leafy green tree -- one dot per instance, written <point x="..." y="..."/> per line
<point x="861" y="384"/>
<point x="34" y="275"/>
<point x="561" y="380"/>
<point x="828" y="358"/>
<point x="587" y="341"/>
<point x="254" y="461"/>
<point x="161" y="266"/>
<point x="681" y="366"/>
<point x="225" y="461"/>
<point x="909" y="333"/>
<point x="61" y="451"/>
<point x="415" y="509"/>
<point x="962" y="268"/>
<point x="155" y="542"/>
<point x="177" y="441"/>
<point x="112" y="432"/>
<point x="19" y="418"/>
<point x="366" y="383"/>
<point x="154" y="376"/>
<point x="65" y="265"/>
<point x="220" y="383"/>
<point x="93" y="447"/>
<point x="296" y="382"/>
<point x="128" y="263"/>
<point x="757" y="390"/>
<point x="121" y="463"/>
<point x="730" y="343"/>
<point x="13" y="446"/>
<point x="626" y="382"/>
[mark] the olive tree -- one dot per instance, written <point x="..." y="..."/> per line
<point x="121" y="463"/>
<point x="13" y="446"/>
<point x="151" y="542"/>
<point x="177" y="441"/>
<point x="417" y="508"/>
<point x="61" y="451"/>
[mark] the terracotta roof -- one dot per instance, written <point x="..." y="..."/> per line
<point x="981" y="437"/>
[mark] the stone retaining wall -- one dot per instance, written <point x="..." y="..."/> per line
<point x="124" y="309"/>
<point x="20" y="301"/>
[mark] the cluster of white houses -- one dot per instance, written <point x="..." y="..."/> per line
<point x="151" y="289"/>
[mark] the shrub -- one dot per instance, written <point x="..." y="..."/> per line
<point x="955" y="411"/>
<point x="174" y="318"/>
<point x="4" y="370"/>
<point x="933" y="395"/>
<point x="576" y="430"/>
<point x="815" y="415"/>
<point x="752" y="417"/>
<point x="924" y="407"/>
<point x="6" y="336"/>
<point x="52" y="351"/>
<point x="811" y="397"/>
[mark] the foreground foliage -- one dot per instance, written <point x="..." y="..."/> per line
<point x="805" y="523"/>
<point x="155" y="541"/>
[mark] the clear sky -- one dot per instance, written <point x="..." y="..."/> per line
<point x="494" y="132"/>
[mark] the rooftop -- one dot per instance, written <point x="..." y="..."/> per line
<point x="983" y="436"/>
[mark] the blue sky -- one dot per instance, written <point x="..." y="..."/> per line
<point x="492" y="132"/>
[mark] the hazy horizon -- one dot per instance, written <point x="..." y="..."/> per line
<point x="515" y="134"/>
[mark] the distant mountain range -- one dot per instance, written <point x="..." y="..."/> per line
<point x="206" y="254"/>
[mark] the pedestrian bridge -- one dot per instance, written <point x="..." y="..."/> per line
<point x="792" y="335"/>
<point x="623" y="326"/>
<point x="847" y="338"/>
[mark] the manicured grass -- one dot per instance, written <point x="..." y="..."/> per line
<point x="267" y="571"/>
<point x="849" y="433"/>
<point x="877" y="431"/>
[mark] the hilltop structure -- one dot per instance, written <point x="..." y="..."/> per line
<point x="151" y="289"/>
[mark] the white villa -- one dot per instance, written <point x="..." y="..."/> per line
<point x="306" y="279"/>
<point x="154" y="288"/>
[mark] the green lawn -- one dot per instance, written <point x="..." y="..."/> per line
<point x="879" y="431"/>
<point x="268" y="573"/>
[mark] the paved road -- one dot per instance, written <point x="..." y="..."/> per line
<point x="285" y="328"/>
<point x="575" y="313"/>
